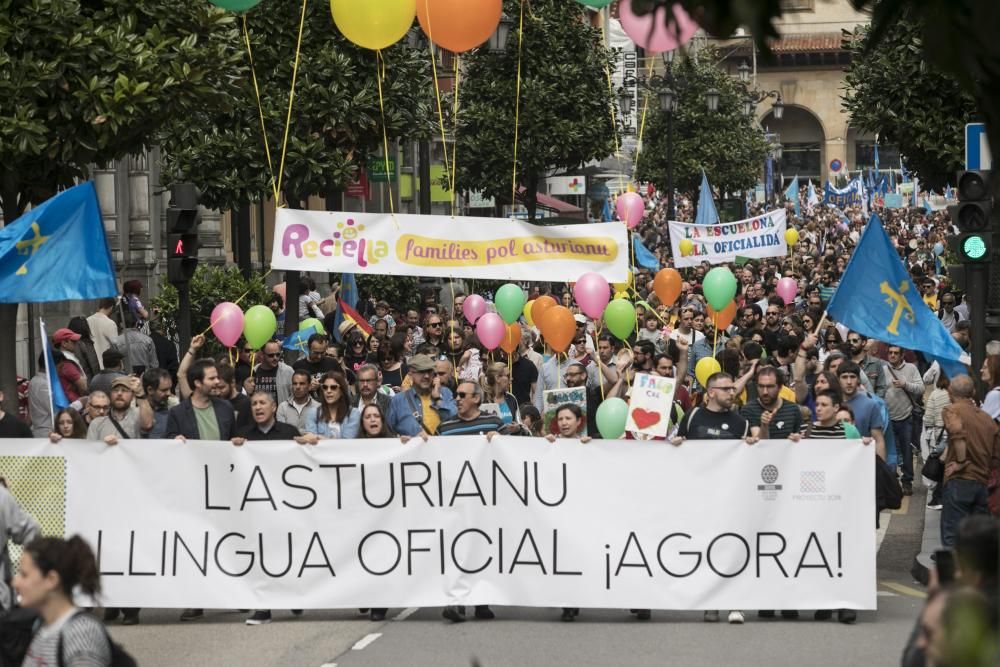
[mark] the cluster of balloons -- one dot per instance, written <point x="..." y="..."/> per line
<point x="499" y="329"/>
<point x="257" y="325"/>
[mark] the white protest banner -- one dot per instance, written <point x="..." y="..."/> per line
<point x="760" y="236"/>
<point x="457" y="520"/>
<point x="441" y="245"/>
<point x="650" y="405"/>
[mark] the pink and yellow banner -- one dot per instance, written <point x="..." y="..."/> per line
<point x="440" y="245"/>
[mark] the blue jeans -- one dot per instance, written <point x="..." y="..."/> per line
<point x="901" y="432"/>
<point x="962" y="497"/>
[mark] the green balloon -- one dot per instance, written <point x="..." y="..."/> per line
<point x="596" y="4"/>
<point x="312" y="322"/>
<point x="236" y="5"/>
<point x="259" y="324"/>
<point x="619" y="316"/>
<point x="510" y="302"/>
<point x="611" y="414"/>
<point x="719" y="287"/>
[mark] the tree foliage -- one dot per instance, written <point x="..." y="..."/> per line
<point x="336" y="120"/>
<point x="399" y="291"/>
<point x="210" y="286"/>
<point x="727" y="145"/>
<point x="894" y="91"/>
<point x="564" y="116"/>
<point x="91" y="82"/>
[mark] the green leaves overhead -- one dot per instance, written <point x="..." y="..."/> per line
<point x="729" y="146"/>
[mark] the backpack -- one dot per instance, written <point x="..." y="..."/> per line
<point x="119" y="656"/>
<point x="17" y="628"/>
<point x="888" y="492"/>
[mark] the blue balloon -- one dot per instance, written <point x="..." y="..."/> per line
<point x="938" y="249"/>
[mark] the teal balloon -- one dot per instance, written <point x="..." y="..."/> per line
<point x="236" y="5"/>
<point x="259" y="325"/>
<point x="312" y="322"/>
<point x="596" y="4"/>
<point x="510" y="300"/>
<point x="719" y="287"/>
<point x="619" y="316"/>
<point x="610" y="417"/>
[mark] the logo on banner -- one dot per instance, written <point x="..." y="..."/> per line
<point x="769" y="489"/>
<point x="575" y="186"/>
<point x="812" y="481"/>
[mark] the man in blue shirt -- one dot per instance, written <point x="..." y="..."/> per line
<point x="422" y="407"/>
<point x="867" y="413"/>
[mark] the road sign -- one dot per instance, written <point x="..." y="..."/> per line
<point x="978" y="156"/>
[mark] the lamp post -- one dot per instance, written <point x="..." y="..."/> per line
<point x="668" y="89"/>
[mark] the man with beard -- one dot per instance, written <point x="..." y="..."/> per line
<point x="122" y="420"/>
<point x="775" y="417"/>
<point x="421" y="408"/>
<point x="872" y="367"/>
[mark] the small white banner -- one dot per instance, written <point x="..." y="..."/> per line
<point x="441" y="245"/>
<point x="756" y="237"/>
<point x="651" y="405"/>
<point x="457" y="520"/>
<point x="567" y="185"/>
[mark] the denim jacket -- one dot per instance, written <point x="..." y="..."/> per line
<point x="348" y="428"/>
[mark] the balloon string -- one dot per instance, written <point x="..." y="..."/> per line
<point x="291" y="95"/>
<point x="715" y="341"/>
<point x="379" y="75"/>
<point x="517" y="109"/>
<point x="437" y="96"/>
<point x="453" y="173"/>
<point x="611" y="107"/>
<point x="260" y="109"/>
<point x="642" y="124"/>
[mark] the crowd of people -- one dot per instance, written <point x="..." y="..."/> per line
<point x="788" y="372"/>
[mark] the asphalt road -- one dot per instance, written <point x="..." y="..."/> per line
<point x="533" y="636"/>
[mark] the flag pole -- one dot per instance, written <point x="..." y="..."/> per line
<point x="48" y="371"/>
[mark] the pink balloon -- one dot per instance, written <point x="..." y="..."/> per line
<point x="651" y="31"/>
<point x="491" y="329"/>
<point x="592" y="294"/>
<point x="787" y="288"/>
<point x="227" y="323"/>
<point x="630" y="208"/>
<point x="474" y="307"/>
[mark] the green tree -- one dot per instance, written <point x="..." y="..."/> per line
<point x="564" y="120"/>
<point x="210" y="286"/>
<point x="894" y="91"/>
<point x="336" y="120"/>
<point x="729" y="146"/>
<point x="399" y="291"/>
<point x="90" y="82"/>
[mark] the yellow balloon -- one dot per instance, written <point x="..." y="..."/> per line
<point x="527" y="313"/>
<point x="623" y="287"/>
<point x="706" y="368"/>
<point x="374" y="24"/>
<point x="687" y="247"/>
<point x="791" y="236"/>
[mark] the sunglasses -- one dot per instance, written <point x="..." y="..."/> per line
<point x="433" y="324"/>
<point x="463" y="394"/>
<point x="853" y="341"/>
<point x="331" y="387"/>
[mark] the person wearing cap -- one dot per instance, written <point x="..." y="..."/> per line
<point x="71" y="376"/>
<point x="122" y="420"/>
<point x="421" y="408"/>
<point x="112" y="368"/>
<point x="588" y="341"/>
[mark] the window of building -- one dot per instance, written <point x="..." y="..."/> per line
<point x="802" y="159"/>
<point x="798" y="5"/>
<point x="864" y="155"/>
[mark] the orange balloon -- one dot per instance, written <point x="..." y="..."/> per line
<point x="511" y="339"/>
<point x="723" y="318"/>
<point x="459" y="25"/>
<point x="558" y="327"/>
<point x="538" y="308"/>
<point x="667" y="285"/>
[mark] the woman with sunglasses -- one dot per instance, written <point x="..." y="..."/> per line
<point x="355" y="351"/>
<point x="335" y="417"/>
<point x="69" y="424"/>
<point x="391" y="360"/>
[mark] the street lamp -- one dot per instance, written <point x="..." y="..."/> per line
<point x="755" y="97"/>
<point x="625" y="101"/>
<point x="712" y="98"/>
<point x="498" y="40"/>
<point x="744" y="70"/>
<point x="668" y="100"/>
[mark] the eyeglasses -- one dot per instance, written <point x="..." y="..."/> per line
<point x="331" y="387"/>
<point x="773" y="313"/>
<point x="853" y="341"/>
<point x="433" y="324"/>
<point x="462" y="394"/>
<point x="99" y="408"/>
<point x="729" y="388"/>
<point x="357" y="342"/>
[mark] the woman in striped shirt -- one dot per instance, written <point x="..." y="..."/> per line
<point x="51" y="568"/>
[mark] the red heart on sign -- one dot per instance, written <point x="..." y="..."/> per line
<point x="645" y="418"/>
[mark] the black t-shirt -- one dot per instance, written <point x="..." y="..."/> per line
<point x="318" y="369"/>
<point x="12" y="427"/>
<point x="241" y="406"/>
<point x="704" y="424"/>
<point x="524" y="375"/>
<point x="279" y="431"/>
<point x="787" y="419"/>
<point x="267" y="380"/>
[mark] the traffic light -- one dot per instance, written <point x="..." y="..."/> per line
<point x="183" y="218"/>
<point x="974" y="242"/>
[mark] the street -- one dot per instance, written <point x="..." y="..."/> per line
<point x="535" y="636"/>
